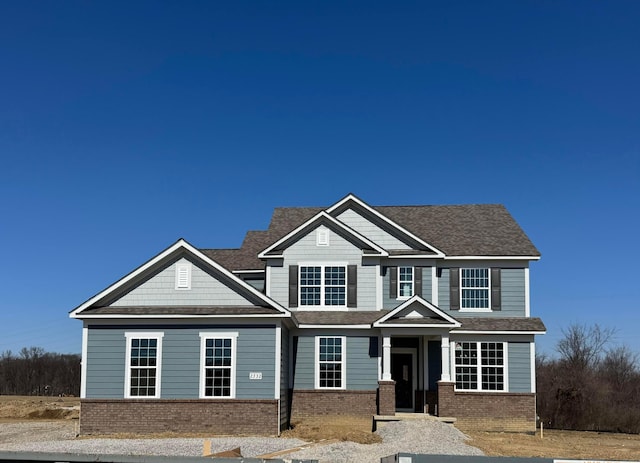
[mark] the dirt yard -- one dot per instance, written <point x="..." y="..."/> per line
<point x="556" y="444"/>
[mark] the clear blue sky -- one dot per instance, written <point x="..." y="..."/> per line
<point x="127" y="125"/>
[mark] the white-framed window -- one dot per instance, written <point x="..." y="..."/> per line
<point x="183" y="276"/>
<point x="323" y="285"/>
<point x="405" y="282"/>
<point x="330" y="362"/>
<point x="475" y="288"/>
<point x="144" y="360"/>
<point x="218" y="365"/>
<point x="480" y="366"/>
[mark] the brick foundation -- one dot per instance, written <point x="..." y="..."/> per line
<point x="386" y="398"/>
<point x="488" y="411"/>
<point x="309" y="403"/>
<point x="104" y="416"/>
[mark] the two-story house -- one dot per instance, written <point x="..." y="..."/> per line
<point x="350" y="309"/>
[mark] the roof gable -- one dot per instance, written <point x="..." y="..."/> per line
<point x="417" y="312"/>
<point x="233" y="290"/>
<point x="322" y="218"/>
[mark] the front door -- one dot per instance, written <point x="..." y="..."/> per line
<point x="403" y="373"/>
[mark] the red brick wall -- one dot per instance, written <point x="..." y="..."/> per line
<point x="226" y="417"/>
<point x="488" y="411"/>
<point x="309" y="403"/>
<point x="386" y="398"/>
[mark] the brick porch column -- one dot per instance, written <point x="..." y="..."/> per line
<point x="387" y="398"/>
<point x="446" y="398"/>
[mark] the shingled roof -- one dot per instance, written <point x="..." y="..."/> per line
<point x="464" y="230"/>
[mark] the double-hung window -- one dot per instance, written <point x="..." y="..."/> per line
<point x="330" y="362"/>
<point x="475" y="288"/>
<point x="323" y="285"/>
<point x="144" y="355"/>
<point x="480" y="366"/>
<point x="218" y="365"/>
<point x="405" y="282"/>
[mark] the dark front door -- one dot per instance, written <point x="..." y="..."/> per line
<point x="402" y="374"/>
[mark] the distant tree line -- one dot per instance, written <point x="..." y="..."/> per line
<point x="36" y="372"/>
<point x="591" y="386"/>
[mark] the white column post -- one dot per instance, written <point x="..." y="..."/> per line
<point x="386" y="358"/>
<point x="446" y="359"/>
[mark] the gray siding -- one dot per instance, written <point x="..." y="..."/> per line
<point x="339" y="251"/>
<point x="512" y="294"/>
<point x="361" y="368"/>
<point x="284" y="378"/>
<point x="392" y="303"/>
<point x="373" y="232"/>
<point x="160" y="290"/>
<point x="519" y="367"/>
<point x="180" y="367"/>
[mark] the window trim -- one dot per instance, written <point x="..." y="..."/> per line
<point x="505" y="366"/>
<point x="400" y="281"/>
<point x="130" y="336"/>
<point x="323" y="305"/>
<point x="343" y="363"/>
<point x="204" y="336"/>
<point x="461" y="290"/>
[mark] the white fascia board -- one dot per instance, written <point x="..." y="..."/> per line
<point x="322" y="215"/>
<point x="180" y="244"/>
<point x="355" y="199"/>
<point x="492" y="257"/>
<point x="247" y="271"/>
<point x="350" y="327"/>
<point x="454" y="331"/>
<point x="435" y="325"/>
<point x="422" y="302"/>
<point x="414" y="256"/>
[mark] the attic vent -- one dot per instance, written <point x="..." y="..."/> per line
<point x="183" y="276"/>
<point x="322" y="237"/>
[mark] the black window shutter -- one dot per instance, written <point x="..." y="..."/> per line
<point x="352" y="286"/>
<point x="454" y="288"/>
<point x="417" y="281"/>
<point x="496" y="291"/>
<point x="293" y="286"/>
<point x="393" y="282"/>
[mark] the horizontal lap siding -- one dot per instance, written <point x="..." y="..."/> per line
<point x="180" y="367"/>
<point x="519" y="367"/>
<point x="338" y="251"/>
<point x="392" y="303"/>
<point x="372" y="231"/>
<point x="361" y="366"/>
<point x="160" y="290"/>
<point x="512" y="294"/>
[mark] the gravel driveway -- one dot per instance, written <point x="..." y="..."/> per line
<point x="419" y="436"/>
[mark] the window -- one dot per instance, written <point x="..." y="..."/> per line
<point x="480" y="366"/>
<point x="183" y="276"/>
<point x="474" y="286"/>
<point x="218" y="364"/>
<point x="330" y="362"/>
<point x="323" y="285"/>
<point x="405" y="282"/>
<point x="142" y="377"/>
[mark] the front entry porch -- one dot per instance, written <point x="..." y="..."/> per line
<point x="414" y="365"/>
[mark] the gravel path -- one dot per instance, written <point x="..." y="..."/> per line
<point x="420" y="436"/>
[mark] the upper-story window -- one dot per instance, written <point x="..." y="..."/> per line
<point x="323" y="285"/>
<point x="475" y="288"/>
<point x="405" y="282"/>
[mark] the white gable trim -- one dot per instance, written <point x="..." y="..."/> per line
<point x="181" y="244"/>
<point x="317" y="218"/>
<point x="355" y="199"/>
<point x="455" y="323"/>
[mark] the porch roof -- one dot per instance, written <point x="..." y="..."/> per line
<point x="317" y="317"/>
<point x="501" y="324"/>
